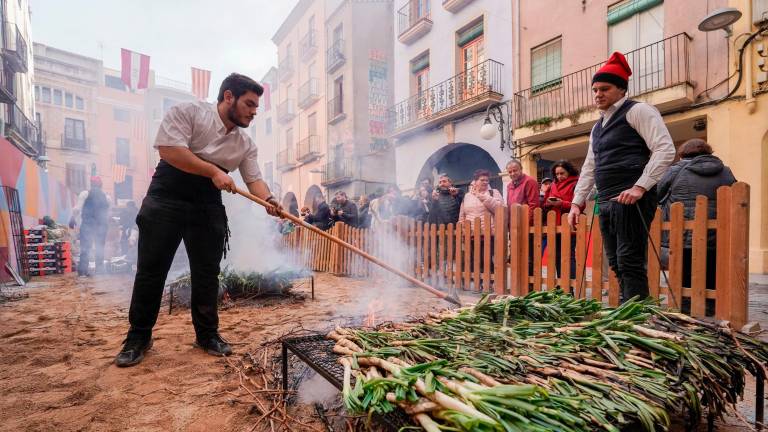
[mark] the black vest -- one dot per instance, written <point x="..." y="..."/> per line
<point x="620" y="154"/>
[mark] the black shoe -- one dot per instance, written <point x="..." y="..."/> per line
<point x="133" y="352"/>
<point x="214" y="345"/>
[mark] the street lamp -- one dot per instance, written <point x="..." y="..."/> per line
<point x="488" y="129"/>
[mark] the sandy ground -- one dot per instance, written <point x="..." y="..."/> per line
<point x="57" y="348"/>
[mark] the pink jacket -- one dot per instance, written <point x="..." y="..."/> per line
<point x="472" y="207"/>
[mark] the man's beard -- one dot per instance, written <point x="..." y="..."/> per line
<point x="232" y="116"/>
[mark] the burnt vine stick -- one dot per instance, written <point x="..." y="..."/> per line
<point x="371" y="258"/>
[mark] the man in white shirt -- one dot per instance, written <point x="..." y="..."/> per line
<point x="199" y="143"/>
<point x="630" y="149"/>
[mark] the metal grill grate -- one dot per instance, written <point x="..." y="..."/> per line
<point x="317" y="352"/>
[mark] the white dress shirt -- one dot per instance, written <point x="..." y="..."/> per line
<point x="649" y="124"/>
<point x="198" y="126"/>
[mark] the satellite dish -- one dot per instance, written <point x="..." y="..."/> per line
<point x="720" y="19"/>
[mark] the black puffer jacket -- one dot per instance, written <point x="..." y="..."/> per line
<point x="688" y="178"/>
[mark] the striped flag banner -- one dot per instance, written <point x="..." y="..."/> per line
<point x="118" y="173"/>
<point x="135" y="69"/>
<point x="201" y="78"/>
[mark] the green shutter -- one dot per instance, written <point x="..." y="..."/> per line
<point x="470" y="34"/>
<point x="420" y="63"/>
<point x="630" y="8"/>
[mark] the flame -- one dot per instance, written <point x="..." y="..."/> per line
<point x="373" y="306"/>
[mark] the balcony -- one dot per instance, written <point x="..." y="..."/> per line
<point x="308" y="149"/>
<point x="285" y="68"/>
<point x="14" y="48"/>
<point x="286" y="111"/>
<point x="72" y="143"/>
<point x="413" y="21"/>
<point x="309" y="93"/>
<point x="564" y="107"/>
<point x="337" y="172"/>
<point x="285" y="160"/>
<point x="308" y="45"/>
<point x="334" y="57"/>
<point x="462" y="94"/>
<point x="336" y="110"/>
<point x="21" y="131"/>
<point x="7" y="92"/>
<point x="453" y="6"/>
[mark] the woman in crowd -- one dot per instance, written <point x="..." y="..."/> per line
<point x="558" y="199"/>
<point x="481" y="200"/>
<point x="363" y="206"/>
<point x="698" y="172"/>
<point x="421" y="205"/>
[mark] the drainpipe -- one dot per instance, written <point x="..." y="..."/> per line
<point x="517" y="51"/>
<point x="750" y="97"/>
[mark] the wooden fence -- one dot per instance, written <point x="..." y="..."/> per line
<point x="493" y="255"/>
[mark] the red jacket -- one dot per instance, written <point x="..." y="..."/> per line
<point x="563" y="190"/>
<point x="524" y="191"/>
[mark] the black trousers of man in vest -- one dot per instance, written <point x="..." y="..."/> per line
<point x="178" y="207"/>
<point x="625" y="240"/>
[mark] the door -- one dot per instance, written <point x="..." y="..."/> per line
<point x="640" y="37"/>
<point x="474" y="77"/>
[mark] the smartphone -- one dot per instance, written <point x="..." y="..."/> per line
<point x="551" y="199"/>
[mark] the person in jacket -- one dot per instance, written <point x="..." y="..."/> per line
<point x="321" y="218"/>
<point x="421" y="205"/>
<point x="344" y="210"/>
<point x="522" y="189"/>
<point x="364" y="215"/>
<point x="482" y="200"/>
<point x="630" y="150"/>
<point x="446" y="202"/>
<point x="559" y="199"/>
<point x="698" y="172"/>
<point x="93" y="228"/>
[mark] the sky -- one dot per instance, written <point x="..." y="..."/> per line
<point x="222" y="36"/>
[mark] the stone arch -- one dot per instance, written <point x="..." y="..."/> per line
<point x="291" y="204"/>
<point x="310" y="196"/>
<point x="459" y="161"/>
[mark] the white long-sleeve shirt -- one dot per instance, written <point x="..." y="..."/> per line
<point x="649" y="124"/>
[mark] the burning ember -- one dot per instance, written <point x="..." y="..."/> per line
<point x="374" y="306"/>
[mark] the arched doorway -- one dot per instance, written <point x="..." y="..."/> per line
<point x="291" y="203"/>
<point x="459" y="161"/>
<point x="310" y="198"/>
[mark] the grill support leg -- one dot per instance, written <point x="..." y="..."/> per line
<point x="285" y="371"/>
<point x="312" y="284"/>
<point x="759" y="398"/>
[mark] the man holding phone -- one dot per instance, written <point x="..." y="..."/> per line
<point x="630" y="149"/>
<point x="446" y="201"/>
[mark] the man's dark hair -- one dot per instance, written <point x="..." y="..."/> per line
<point x="694" y="147"/>
<point x="567" y="166"/>
<point x="481" y="173"/>
<point x="239" y="84"/>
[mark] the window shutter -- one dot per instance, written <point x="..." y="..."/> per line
<point x="629" y="8"/>
<point x="470" y="34"/>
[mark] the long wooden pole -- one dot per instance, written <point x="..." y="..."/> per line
<point x="354" y="249"/>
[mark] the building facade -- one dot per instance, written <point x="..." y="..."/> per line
<point x="682" y="71"/>
<point x="20" y="125"/>
<point x="451" y="62"/>
<point x="159" y="97"/>
<point x="263" y="132"/>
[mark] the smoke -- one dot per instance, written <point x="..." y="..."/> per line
<point x="317" y="390"/>
<point x="254" y="239"/>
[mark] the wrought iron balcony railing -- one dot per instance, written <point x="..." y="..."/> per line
<point x="309" y="92"/>
<point x="285" y="68"/>
<point x="336" y="110"/>
<point x="337" y="171"/>
<point x="308" y="148"/>
<point x="412" y="14"/>
<point x="334" y="57"/>
<point x="73" y="143"/>
<point x="21" y="130"/>
<point x="657" y="66"/>
<point x="7" y="92"/>
<point x="286" y="111"/>
<point x="464" y="89"/>
<point x="308" y="45"/>
<point x="15" y="47"/>
<point x="285" y="159"/>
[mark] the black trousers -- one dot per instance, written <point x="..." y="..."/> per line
<point x="163" y="224"/>
<point x="625" y="240"/>
<point x="91" y="236"/>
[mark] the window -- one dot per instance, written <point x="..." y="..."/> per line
<point x="472" y="55"/>
<point x="79" y="103"/>
<point x="546" y="65"/>
<point x="420" y="74"/>
<point x="75" y="177"/>
<point x="289" y="138"/>
<point x="419" y="9"/>
<point x="74" y="134"/>
<point x="338" y="36"/>
<point x="121" y="115"/>
<point x="268" y="126"/>
<point x="122" y="152"/>
<point x="268" y="174"/>
<point x="338" y="97"/>
<point x="57" y="97"/>
<point x="46" y="92"/>
<point x="37" y="93"/>
<point x="68" y="100"/>
<point x="631" y="26"/>
<point x="312" y="124"/>
<point x="114" y="82"/>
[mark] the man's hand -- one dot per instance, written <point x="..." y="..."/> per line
<point x="435" y="195"/>
<point x="453" y="191"/>
<point x="573" y="216"/>
<point x="631" y="195"/>
<point x="274" y="208"/>
<point x="223" y="181"/>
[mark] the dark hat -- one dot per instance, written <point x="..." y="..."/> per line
<point x="615" y="71"/>
<point x="546" y="179"/>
